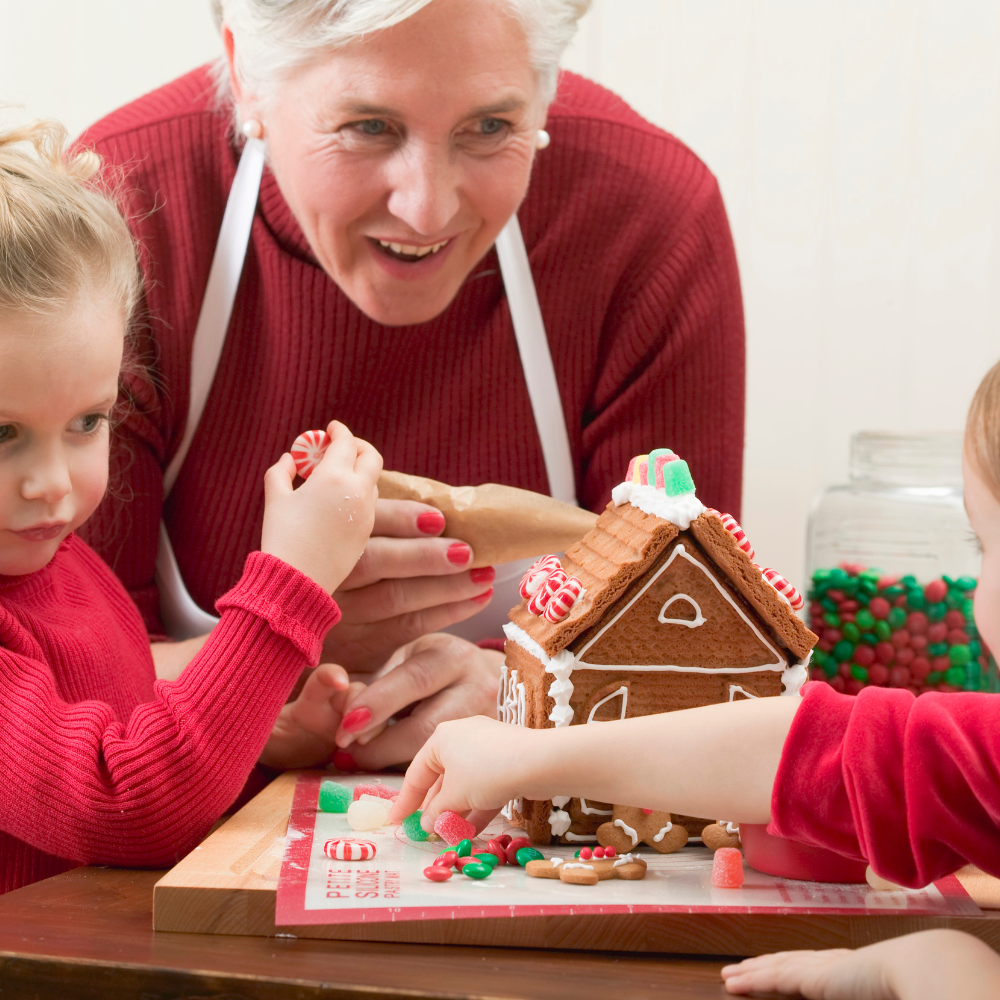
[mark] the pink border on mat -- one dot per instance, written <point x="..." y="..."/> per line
<point x="290" y="904"/>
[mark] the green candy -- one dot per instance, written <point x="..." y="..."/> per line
<point x="851" y="633"/>
<point x="915" y="599"/>
<point x="936" y="612"/>
<point x="820" y="576"/>
<point x="934" y="677"/>
<point x="865" y="619"/>
<point x="959" y="655"/>
<point x="464" y="848"/>
<point x="828" y="604"/>
<point x="412" y="828"/>
<point x="975" y="648"/>
<point x="526" y="854"/>
<point x="869" y="638"/>
<point x="909" y="581"/>
<point x="872" y="575"/>
<point x="937" y="648"/>
<point x="955" y="676"/>
<point x="829" y="666"/>
<point x="476" y="869"/>
<point x="883" y="631"/>
<point x="953" y="600"/>
<point x="832" y="619"/>
<point x="968" y="609"/>
<point x="891" y="593"/>
<point x="677" y="478"/>
<point x="966" y="583"/>
<point x="897" y="618"/>
<point x="870" y="587"/>
<point x="334" y="797"/>
<point x="843" y="651"/>
<point x="858" y="672"/>
<point x="487" y="859"/>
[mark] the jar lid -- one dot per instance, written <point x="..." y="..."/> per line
<point x="932" y="458"/>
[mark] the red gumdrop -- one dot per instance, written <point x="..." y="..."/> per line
<point x="379" y="791"/>
<point x="920" y="668"/>
<point x="916" y="622"/>
<point x="504" y="839"/>
<point x="836" y="595"/>
<point x="514" y="846"/>
<point x="955" y="619"/>
<point x="878" y="674"/>
<point x="609" y="852"/>
<point x="940" y="663"/>
<point x="437" y="873"/>
<point x="844" y="669"/>
<point x="837" y="683"/>
<point x="864" y="656"/>
<point x="496" y="849"/>
<point x="848" y="607"/>
<point x="936" y="591"/>
<point x="586" y="853"/>
<point x="918" y="642"/>
<point x="447" y="860"/>
<point x="904" y="657"/>
<point x="833" y="635"/>
<point x="879" y="607"/>
<point x="824" y="645"/>
<point x="452" y="828"/>
<point x="899" y="677"/>
<point x="885" y="652"/>
<point x="937" y="632"/>
<point x="901" y="638"/>
<point x="854" y="687"/>
<point x="727" y="868"/>
<point x="957" y="637"/>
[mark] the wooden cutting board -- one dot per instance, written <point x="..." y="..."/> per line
<point x="227" y="885"/>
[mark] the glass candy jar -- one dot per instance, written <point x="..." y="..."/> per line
<point x="892" y="564"/>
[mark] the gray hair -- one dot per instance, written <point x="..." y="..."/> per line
<point x="274" y="37"/>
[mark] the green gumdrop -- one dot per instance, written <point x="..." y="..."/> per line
<point x="843" y="651"/>
<point x="526" y="854"/>
<point x="413" y="829"/>
<point x="959" y="655"/>
<point x="677" y="478"/>
<point x="897" y="618"/>
<point x="334" y="797"/>
<point x="883" y="631"/>
<point x="487" y="859"/>
<point x="865" y="619"/>
<point x="475" y="869"/>
<point x="851" y="632"/>
<point x="859" y="673"/>
<point x="464" y="848"/>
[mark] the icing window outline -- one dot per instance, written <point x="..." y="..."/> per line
<point x="698" y="620"/>
<point x="735" y="689"/>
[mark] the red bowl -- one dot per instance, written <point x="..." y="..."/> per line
<point x="788" y="859"/>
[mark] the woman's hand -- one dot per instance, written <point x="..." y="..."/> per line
<point x="408" y="583"/>
<point x="469" y="766"/>
<point x="322" y="527"/>
<point x="441" y="676"/>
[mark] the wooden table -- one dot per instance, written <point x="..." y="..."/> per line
<point x="88" y="934"/>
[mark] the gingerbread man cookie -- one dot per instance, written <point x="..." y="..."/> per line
<point x="629" y="826"/>
<point x="588" y="870"/>
<point x="721" y="834"/>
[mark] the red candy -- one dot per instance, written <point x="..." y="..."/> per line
<point x="379" y="791"/>
<point x="308" y="450"/>
<point x="955" y="619"/>
<point x="957" y="637"/>
<point x="452" y="828"/>
<point x="904" y="657"/>
<point x="727" y="868"/>
<point x="918" y="642"/>
<point x="864" y="656"/>
<point x="901" y="638"/>
<point x="739" y="535"/>
<point x="920" y="668"/>
<point x="447" y="860"/>
<point x="437" y="873"/>
<point x="504" y="839"/>
<point x="514" y="846"/>
<point x="468" y="860"/>
<point x="937" y="632"/>
<point x="879" y="607"/>
<point x="899" y="677"/>
<point x="935" y="592"/>
<point x="586" y="853"/>
<point x="878" y="674"/>
<point x="885" y="652"/>
<point x="916" y="623"/>
<point x="495" y="848"/>
<point x="598" y="852"/>
<point x="537" y="574"/>
<point x="609" y="852"/>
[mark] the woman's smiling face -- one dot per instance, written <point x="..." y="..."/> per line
<point x="403" y="155"/>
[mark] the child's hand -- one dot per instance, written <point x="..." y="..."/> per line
<point x="303" y="735"/>
<point x="468" y="764"/>
<point x="837" y="974"/>
<point x="322" y="527"/>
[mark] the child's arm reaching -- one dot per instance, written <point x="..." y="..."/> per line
<point x="925" y="966"/>
<point x="658" y="762"/>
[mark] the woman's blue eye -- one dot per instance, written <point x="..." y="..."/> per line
<point x="372" y="126"/>
<point x="7" y="433"/>
<point x="91" y="422"/>
<point x="490" y="126"/>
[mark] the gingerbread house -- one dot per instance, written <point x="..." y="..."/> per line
<point x="659" y="607"/>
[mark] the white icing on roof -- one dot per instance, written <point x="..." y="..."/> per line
<point x="680" y="510"/>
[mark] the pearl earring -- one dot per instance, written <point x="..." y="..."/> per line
<point x="252" y="128"/>
<point x="542" y="139"/>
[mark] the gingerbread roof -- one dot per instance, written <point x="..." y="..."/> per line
<point x="623" y="544"/>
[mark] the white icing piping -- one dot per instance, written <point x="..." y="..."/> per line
<point x="622" y="691"/>
<point x="625" y="859"/>
<point x="628" y="830"/>
<point x="681" y="510"/>
<point x="559" y="821"/>
<point x="577" y="864"/>
<point x="698" y="620"/>
<point x="732" y="828"/>
<point x="795" y="676"/>
<point x="663" y="831"/>
<point x="735" y="689"/>
<point x="590" y="811"/>
<point x="679" y="550"/>
<point x="587" y="838"/>
<point x="559" y="800"/>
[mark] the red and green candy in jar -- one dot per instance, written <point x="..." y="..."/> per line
<point x="896" y="632"/>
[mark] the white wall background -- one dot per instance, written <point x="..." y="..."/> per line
<point x="858" y="148"/>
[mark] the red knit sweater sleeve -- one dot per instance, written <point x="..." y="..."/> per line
<point x="908" y="784"/>
<point x="80" y="785"/>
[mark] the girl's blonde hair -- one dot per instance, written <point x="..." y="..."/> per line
<point x="982" y="430"/>
<point x="61" y="234"/>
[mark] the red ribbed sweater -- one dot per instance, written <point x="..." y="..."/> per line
<point x="102" y="763"/>
<point x="636" y="274"/>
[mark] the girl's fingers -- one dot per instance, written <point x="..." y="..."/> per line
<point x="420" y="778"/>
<point x="368" y="462"/>
<point x="280" y="476"/>
<point x="342" y="450"/>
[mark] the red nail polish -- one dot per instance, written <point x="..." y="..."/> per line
<point x="485" y="574"/>
<point x="343" y="761"/>
<point x="356" y="719"/>
<point x="483" y="598"/>
<point x="431" y="522"/>
<point x="459" y="553"/>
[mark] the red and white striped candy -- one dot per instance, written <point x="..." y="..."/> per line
<point x="537" y="573"/>
<point x="308" y="450"/>
<point x="783" y="587"/>
<point x="344" y="849"/>
<point x="561" y="602"/>
<point x="540" y="597"/>
<point x="732" y="526"/>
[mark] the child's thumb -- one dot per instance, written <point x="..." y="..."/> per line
<point x="279" y="478"/>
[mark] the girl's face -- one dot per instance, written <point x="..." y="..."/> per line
<point x="984" y="514"/>
<point x="58" y="383"/>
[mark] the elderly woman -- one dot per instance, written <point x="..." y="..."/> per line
<point x="380" y="277"/>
